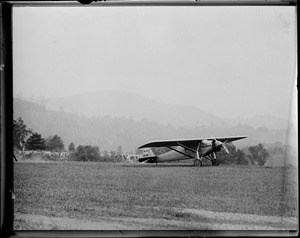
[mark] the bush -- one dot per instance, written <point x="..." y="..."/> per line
<point x="225" y="158"/>
<point x="87" y="153"/>
<point x="241" y="157"/>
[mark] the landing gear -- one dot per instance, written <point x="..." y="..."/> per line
<point x="215" y="162"/>
<point x="197" y="163"/>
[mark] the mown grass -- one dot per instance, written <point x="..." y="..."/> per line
<point x="91" y="190"/>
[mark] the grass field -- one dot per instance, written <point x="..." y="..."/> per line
<point x="167" y="192"/>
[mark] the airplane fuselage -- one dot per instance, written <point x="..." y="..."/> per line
<point x="176" y="155"/>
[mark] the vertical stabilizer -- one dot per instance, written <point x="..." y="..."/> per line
<point x="147" y="155"/>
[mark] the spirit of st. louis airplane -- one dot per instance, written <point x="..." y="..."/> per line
<point x="196" y="149"/>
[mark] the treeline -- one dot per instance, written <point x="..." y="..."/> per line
<point x="252" y="155"/>
<point x="26" y="139"/>
<point x="31" y="145"/>
<point x="92" y="153"/>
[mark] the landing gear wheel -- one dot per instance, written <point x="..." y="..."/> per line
<point x="215" y="162"/>
<point x="197" y="163"/>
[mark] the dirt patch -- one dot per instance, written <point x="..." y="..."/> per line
<point x="40" y="222"/>
<point x="248" y="220"/>
<point x="220" y="221"/>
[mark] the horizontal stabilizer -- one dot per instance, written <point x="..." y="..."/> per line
<point x="146" y="158"/>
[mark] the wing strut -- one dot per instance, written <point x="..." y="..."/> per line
<point x="180" y="152"/>
<point x="190" y="149"/>
<point x="187" y="148"/>
<point x="197" y="151"/>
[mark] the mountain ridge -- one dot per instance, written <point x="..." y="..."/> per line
<point x="133" y="105"/>
<point x="110" y="132"/>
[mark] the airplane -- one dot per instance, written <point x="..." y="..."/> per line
<point x="196" y="149"/>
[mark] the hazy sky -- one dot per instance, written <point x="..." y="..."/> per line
<point x="230" y="61"/>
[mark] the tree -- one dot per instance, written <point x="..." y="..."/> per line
<point x="87" y="153"/>
<point x="277" y="151"/>
<point x="241" y="157"/>
<point x="115" y="156"/>
<point x="20" y="133"/>
<point x="225" y="158"/>
<point x="105" y="157"/>
<point x="55" y="143"/>
<point x="71" y="147"/>
<point x="119" y="150"/>
<point x="35" y="142"/>
<point x="258" y="154"/>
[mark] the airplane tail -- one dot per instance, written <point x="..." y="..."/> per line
<point x="147" y="155"/>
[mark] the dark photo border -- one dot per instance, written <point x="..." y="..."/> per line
<point x="6" y="112"/>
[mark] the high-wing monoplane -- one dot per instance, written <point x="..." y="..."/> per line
<point x="196" y="149"/>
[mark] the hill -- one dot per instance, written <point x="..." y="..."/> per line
<point x="109" y="132"/>
<point x="124" y="104"/>
<point x="271" y="122"/>
<point x="135" y="106"/>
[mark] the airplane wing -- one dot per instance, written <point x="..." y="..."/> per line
<point x="188" y="142"/>
<point x="229" y="139"/>
<point x="168" y="143"/>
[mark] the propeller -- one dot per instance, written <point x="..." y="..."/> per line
<point x="225" y="148"/>
<point x="216" y="143"/>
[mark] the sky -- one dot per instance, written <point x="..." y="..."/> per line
<point x="234" y="62"/>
